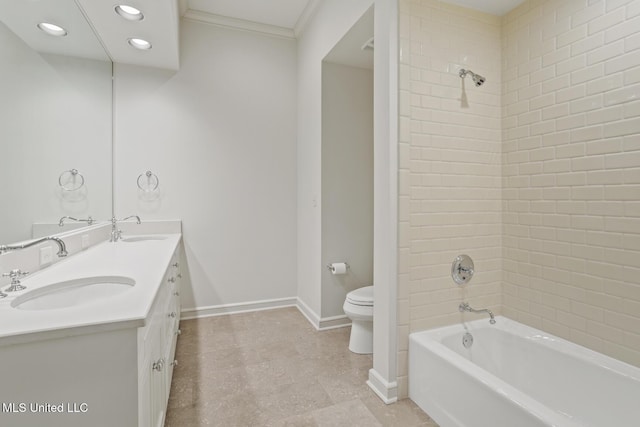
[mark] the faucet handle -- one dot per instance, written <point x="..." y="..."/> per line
<point x="15" y="274"/>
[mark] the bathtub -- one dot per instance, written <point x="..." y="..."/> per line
<point x="517" y="376"/>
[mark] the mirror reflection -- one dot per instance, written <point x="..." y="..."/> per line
<point x="55" y="120"/>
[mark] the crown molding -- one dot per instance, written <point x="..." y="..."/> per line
<point x="240" y="24"/>
<point x="306" y="15"/>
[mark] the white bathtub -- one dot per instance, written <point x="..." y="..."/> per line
<point x="517" y="376"/>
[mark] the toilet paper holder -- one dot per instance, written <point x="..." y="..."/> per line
<point x="330" y="266"/>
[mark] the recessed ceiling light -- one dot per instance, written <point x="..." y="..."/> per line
<point x="140" y="44"/>
<point x="129" y="13"/>
<point x="52" y="29"/>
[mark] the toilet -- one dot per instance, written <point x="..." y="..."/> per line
<point x="358" y="306"/>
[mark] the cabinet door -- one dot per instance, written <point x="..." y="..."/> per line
<point x="158" y="343"/>
<point x="173" y="320"/>
<point x="144" y="400"/>
<point x="158" y="392"/>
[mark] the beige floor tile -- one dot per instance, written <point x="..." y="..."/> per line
<point x="293" y="399"/>
<point x="352" y="413"/>
<point x="404" y="413"/>
<point x="305" y="420"/>
<point x="271" y="368"/>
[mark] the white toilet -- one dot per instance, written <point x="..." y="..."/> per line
<point x="358" y="306"/>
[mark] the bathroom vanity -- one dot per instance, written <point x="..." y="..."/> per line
<point x="91" y="340"/>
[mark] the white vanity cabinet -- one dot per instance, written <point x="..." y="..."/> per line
<point x="108" y="365"/>
<point x="156" y="349"/>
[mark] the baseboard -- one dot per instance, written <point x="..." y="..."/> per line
<point x="387" y="391"/>
<point x="243" y="307"/>
<point x="334" y="322"/>
<point x="322" y="324"/>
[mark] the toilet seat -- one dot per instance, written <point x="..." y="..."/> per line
<point x="358" y="306"/>
<point x="361" y="296"/>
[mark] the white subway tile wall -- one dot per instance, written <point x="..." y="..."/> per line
<point x="450" y="165"/>
<point x="535" y="174"/>
<point x="571" y="180"/>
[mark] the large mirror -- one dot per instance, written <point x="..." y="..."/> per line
<point x="55" y="120"/>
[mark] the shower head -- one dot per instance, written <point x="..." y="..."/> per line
<point x="477" y="78"/>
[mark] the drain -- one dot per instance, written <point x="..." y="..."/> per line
<point x="467" y="340"/>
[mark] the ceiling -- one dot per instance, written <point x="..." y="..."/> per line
<point x="349" y="50"/>
<point x="160" y="26"/>
<point x="21" y="17"/>
<point x="494" y="7"/>
<point x="289" y="13"/>
<point x="279" y="13"/>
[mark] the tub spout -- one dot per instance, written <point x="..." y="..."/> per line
<point x="464" y="306"/>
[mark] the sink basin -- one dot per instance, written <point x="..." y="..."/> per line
<point x="72" y="293"/>
<point x="133" y="239"/>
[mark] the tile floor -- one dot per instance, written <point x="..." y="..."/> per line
<point x="271" y="368"/>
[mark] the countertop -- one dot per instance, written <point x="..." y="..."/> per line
<point x="144" y="261"/>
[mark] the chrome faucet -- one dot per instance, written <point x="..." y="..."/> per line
<point x="464" y="306"/>
<point x="62" y="248"/>
<point x="89" y="220"/>
<point x="15" y="276"/>
<point x="117" y="234"/>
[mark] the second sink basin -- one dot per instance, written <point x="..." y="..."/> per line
<point x="75" y="292"/>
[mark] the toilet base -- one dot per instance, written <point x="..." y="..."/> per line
<point x="361" y="340"/>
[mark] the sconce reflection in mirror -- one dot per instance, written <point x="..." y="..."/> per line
<point x="71" y="180"/>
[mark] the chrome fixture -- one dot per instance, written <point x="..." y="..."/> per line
<point x="150" y="183"/>
<point x="15" y="276"/>
<point x="71" y="180"/>
<point x="467" y="340"/>
<point x="477" y="78"/>
<point x="62" y="248"/>
<point x="89" y="220"/>
<point x="464" y="306"/>
<point x="462" y="269"/>
<point x="117" y="234"/>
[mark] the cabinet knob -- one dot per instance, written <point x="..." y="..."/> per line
<point x="179" y="275"/>
<point x="176" y="264"/>
<point x="176" y="294"/>
<point x="158" y="366"/>
<point x="171" y="279"/>
<point x="174" y="363"/>
<point x="179" y="332"/>
<point x="172" y="314"/>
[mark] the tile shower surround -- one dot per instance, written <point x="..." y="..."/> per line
<point x="538" y="179"/>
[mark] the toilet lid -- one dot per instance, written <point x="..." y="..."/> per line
<point x="361" y="296"/>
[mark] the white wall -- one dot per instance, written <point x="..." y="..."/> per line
<point x="331" y="21"/>
<point x="347" y="181"/>
<point x="382" y="378"/>
<point x="220" y="135"/>
<point x="55" y="115"/>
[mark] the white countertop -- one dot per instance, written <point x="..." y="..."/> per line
<point x="144" y="261"/>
